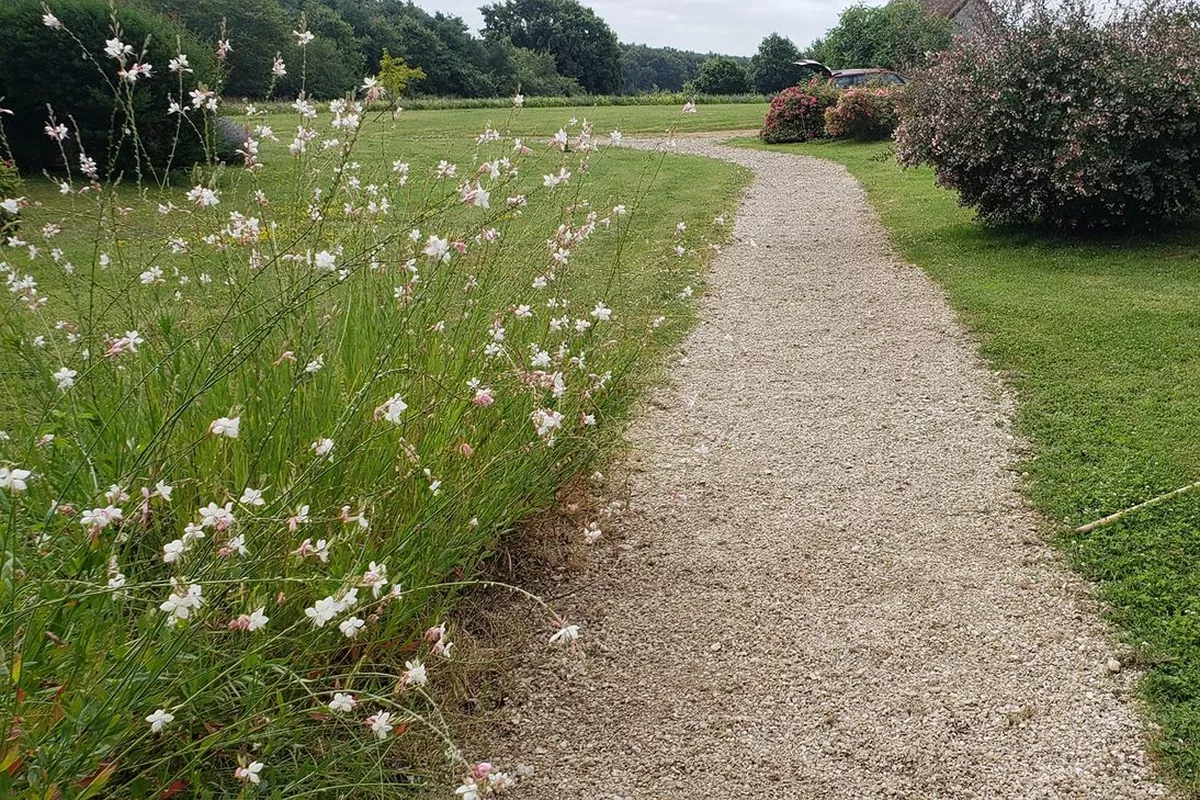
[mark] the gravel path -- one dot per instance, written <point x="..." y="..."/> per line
<point x="829" y="586"/>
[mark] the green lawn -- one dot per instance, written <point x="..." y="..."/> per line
<point x="1100" y="339"/>
<point x="545" y="121"/>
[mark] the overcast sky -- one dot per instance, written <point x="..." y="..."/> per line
<point x="723" y="26"/>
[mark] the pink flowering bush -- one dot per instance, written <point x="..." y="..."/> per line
<point x="797" y="114"/>
<point x="866" y="114"/>
<point x="1064" y="119"/>
<point x="260" y="425"/>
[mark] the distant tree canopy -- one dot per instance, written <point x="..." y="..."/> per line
<point x="583" y="46"/>
<point x="651" y="69"/>
<point x="895" y="36"/>
<point x="537" y="74"/>
<point x="557" y="47"/>
<point x="772" y="68"/>
<point x="721" y="75"/>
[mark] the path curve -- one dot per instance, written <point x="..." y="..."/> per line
<point x="846" y="596"/>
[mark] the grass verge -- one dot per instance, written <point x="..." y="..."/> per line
<point x="1099" y="337"/>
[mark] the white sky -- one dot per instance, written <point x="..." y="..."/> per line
<point x="721" y="26"/>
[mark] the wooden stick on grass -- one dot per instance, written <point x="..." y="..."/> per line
<point x="1111" y="518"/>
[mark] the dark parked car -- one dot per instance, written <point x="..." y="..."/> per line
<point x="845" y="78"/>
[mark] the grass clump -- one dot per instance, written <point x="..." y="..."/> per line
<point x="262" y="421"/>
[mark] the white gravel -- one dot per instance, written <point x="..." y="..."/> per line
<point x="844" y="595"/>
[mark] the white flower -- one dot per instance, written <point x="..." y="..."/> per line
<point x="350" y="627"/>
<point x="565" y="634"/>
<point x="416" y="674"/>
<point x="278" y="69"/>
<point x="381" y="724"/>
<point x="93" y="518"/>
<point x="65" y="378"/>
<point x="392" y="409"/>
<point x="115" y="48"/>
<point x="252" y="497"/>
<point x="348" y="600"/>
<point x="375" y="577"/>
<point x="303" y="37"/>
<point x="468" y="791"/>
<point x="322" y="611"/>
<point x="215" y="516"/>
<point x="173" y="550"/>
<point x="518" y="100"/>
<point x="323" y="447"/>
<point x="163" y="490"/>
<point x="258" y="620"/>
<point x="602" y="312"/>
<point x="342" y="703"/>
<point x="51" y="21"/>
<point x="325" y="261"/>
<point x="249" y="772"/>
<point x="203" y="196"/>
<point x="13" y="479"/>
<point x="226" y="426"/>
<point x="181" y="602"/>
<point x="11" y="205"/>
<point x="179" y="63"/>
<point x="438" y="248"/>
<point x="316" y="365"/>
<point x="159" y="720"/>
<point x="546" y="420"/>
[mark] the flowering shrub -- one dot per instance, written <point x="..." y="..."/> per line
<point x="1066" y="120"/>
<point x="797" y="114"/>
<point x="119" y="119"/>
<point x="866" y="114"/>
<point x="259" y="427"/>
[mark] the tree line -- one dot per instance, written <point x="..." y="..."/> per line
<point x="542" y="47"/>
<point x="545" y="47"/>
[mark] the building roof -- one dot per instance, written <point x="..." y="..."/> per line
<point x="943" y="8"/>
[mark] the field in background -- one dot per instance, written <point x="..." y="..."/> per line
<point x="544" y="121"/>
<point x="669" y="99"/>
<point x="1099" y="337"/>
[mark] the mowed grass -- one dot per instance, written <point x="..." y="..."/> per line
<point x="627" y="119"/>
<point x="1100" y="338"/>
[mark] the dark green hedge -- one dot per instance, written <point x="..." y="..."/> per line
<point x="41" y="67"/>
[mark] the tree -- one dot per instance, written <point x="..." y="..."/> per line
<point x="395" y="75"/>
<point x="583" y="45"/>
<point x="651" y="69"/>
<point x="257" y="30"/>
<point x="721" y="75"/>
<point x="895" y="36"/>
<point x="331" y="64"/>
<point x="537" y="75"/>
<point x="772" y="67"/>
